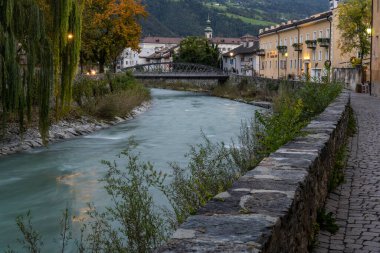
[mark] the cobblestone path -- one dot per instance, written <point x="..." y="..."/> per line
<point x="356" y="203"/>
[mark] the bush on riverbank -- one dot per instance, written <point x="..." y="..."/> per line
<point x="110" y="96"/>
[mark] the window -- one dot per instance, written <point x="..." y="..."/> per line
<point x="296" y="39"/>
<point x="314" y="56"/>
<point x="291" y="63"/>
<point x="314" y="35"/>
<point x="231" y="61"/>
<point x="307" y="36"/>
<point x="301" y="38"/>
<point x="290" y="41"/>
<point x="320" y="55"/>
<point x="321" y="34"/>
<point x="300" y="63"/>
<point x="280" y="42"/>
<point x="285" y="42"/>
<point x="328" y="33"/>
<point x="327" y="55"/>
<point x="242" y="59"/>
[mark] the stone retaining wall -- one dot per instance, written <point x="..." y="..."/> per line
<point x="272" y="208"/>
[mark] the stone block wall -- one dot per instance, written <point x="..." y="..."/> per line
<point x="273" y="208"/>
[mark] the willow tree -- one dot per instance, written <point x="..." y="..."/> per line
<point x="26" y="61"/>
<point x="64" y="28"/>
<point x="110" y="26"/>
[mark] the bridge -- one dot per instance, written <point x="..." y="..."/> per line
<point x="176" y="70"/>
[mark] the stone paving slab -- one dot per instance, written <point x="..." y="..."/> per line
<point x="356" y="203"/>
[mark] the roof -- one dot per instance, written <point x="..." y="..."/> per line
<point x="161" y="40"/>
<point x="161" y="53"/>
<point x="222" y="40"/>
<point x="291" y="24"/>
<point x="243" y="50"/>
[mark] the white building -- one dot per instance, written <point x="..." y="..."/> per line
<point x="242" y="60"/>
<point x="162" y="49"/>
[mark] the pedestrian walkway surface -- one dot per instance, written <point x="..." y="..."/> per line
<point x="356" y="203"/>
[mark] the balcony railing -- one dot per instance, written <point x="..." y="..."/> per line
<point x="311" y="44"/>
<point x="282" y="49"/>
<point x="324" y="42"/>
<point x="297" y="46"/>
<point x="260" y="52"/>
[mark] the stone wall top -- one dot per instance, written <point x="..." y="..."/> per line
<point x="273" y="207"/>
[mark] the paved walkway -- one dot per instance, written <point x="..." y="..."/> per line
<point x="356" y="203"/>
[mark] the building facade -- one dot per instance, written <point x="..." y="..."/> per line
<point x="375" y="56"/>
<point x="242" y="60"/>
<point x="297" y="49"/>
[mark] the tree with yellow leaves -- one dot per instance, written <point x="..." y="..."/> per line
<point x="109" y="26"/>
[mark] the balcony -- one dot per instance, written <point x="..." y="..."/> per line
<point x="260" y="52"/>
<point x="297" y="46"/>
<point x="324" y="42"/>
<point x="311" y="44"/>
<point x="282" y="49"/>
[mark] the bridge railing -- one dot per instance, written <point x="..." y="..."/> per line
<point x="175" y="67"/>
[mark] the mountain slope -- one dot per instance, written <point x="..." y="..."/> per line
<point x="231" y="18"/>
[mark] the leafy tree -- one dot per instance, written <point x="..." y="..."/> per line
<point x="109" y="27"/>
<point x="198" y="50"/>
<point x="354" y="21"/>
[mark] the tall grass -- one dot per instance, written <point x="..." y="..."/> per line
<point x="109" y="97"/>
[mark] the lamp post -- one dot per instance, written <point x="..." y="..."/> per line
<point x="369" y="32"/>
<point x="286" y="63"/>
<point x="232" y="55"/>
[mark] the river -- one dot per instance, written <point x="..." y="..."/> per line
<point x="47" y="180"/>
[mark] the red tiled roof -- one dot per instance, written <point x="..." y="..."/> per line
<point x="163" y="40"/>
<point x="221" y="40"/>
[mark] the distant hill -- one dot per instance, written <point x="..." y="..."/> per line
<point x="232" y="18"/>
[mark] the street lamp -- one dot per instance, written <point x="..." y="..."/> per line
<point x="232" y="55"/>
<point x="369" y="30"/>
<point x="286" y="63"/>
<point x="70" y="36"/>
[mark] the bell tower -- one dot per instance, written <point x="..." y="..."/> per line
<point x="208" y="29"/>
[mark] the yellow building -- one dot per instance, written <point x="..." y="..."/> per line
<point x="302" y="48"/>
<point x="375" y="63"/>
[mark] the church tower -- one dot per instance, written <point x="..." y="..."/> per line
<point x="208" y="29"/>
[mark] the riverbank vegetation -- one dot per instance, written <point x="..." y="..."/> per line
<point x="41" y="48"/>
<point x="134" y="223"/>
<point x="109" y="96"/>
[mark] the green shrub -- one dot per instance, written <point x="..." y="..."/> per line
<point x="210" y="171"/>
<point x="132" y="223"/>
<point x="115" y="95"/>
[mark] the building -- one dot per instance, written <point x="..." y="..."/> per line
<point x="152" y="50"/>
<point x="162" y="49"/>
<point x="375" y="59"/>
<point x="242" y="60"/>
<point x="296" y="49"/>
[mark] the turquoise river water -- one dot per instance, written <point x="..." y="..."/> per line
<point x="47" y="180"/>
